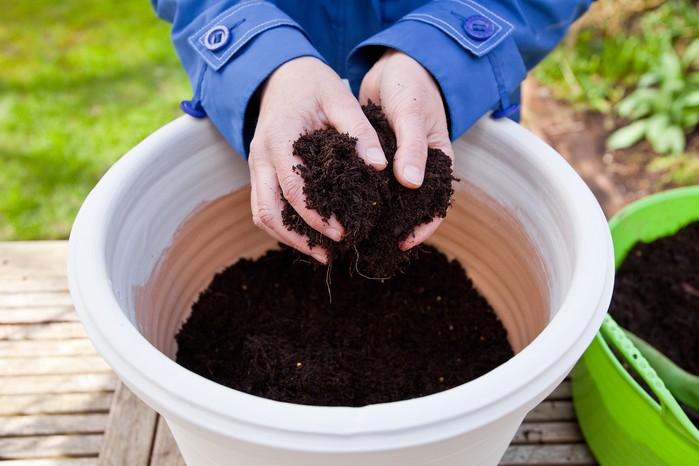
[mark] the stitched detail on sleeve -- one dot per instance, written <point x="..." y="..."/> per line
<point x="216" y="59"/>
<point x="503" y="28"/>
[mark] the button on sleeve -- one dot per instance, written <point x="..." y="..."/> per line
<point x="471" y="25"/>
<point x="217" y="37"/>
<point x="479" y="27"/>
<point x="226" y="34"/>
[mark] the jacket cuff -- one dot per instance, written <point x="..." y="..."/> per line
<point x="468" y="50"/>
<point x="233" y="54"/>
<point x="226" y="34"/>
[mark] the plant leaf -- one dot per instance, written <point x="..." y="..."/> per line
<point x="691" y="99"/>
<point x="670" y="140"/>
<point x="627" y="136"/>
<point x="690" y="54"/>
<point x="657" y="124"/>
<point x="648" y="79"/>
<point x="670" y="65"/>
<point x="689" y="119"/>
<point x="637" y="104"/>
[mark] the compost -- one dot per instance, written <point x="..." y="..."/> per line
<point x="269" y="327"/>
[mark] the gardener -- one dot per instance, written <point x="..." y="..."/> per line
<point x="266" y="72"/>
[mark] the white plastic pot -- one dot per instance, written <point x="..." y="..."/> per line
<point x="175" y="210"/>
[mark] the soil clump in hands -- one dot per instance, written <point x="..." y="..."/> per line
<point x="377" y="212"/>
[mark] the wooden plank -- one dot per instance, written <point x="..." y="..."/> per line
<point x="35" y="299"/>
<point x="50" y="384"/>
<point x="49" y="446"/>
<point x="25" y="283"/>
<point x="165" y="450"/>
<point x="56" y="424"/>
<point x="560" y="410"/>
<point x="32" y="259"/>
<point x="53" y="365"/>
<point x="562" y="392"/>
<point x="36" y="315"/>
<point x="53" y="462"/>
<point x="49" y="331"/>
<point x="548" y="432"/>
<point x="548" y="455"/>
<point x="57" y="403"/>
<point x="29" y="348"/>
<point x="130" y="431"/>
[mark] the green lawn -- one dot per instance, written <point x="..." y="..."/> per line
<point x="81" y="82"/>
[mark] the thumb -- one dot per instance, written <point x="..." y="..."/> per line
<point x="411" y="147"/>
<point x="346" y="116"/>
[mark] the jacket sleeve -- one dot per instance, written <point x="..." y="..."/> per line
<point x="479" y="55"/>
<point x="228" y="48"/>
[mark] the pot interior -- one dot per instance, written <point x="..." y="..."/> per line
<point x="488" y="240"/>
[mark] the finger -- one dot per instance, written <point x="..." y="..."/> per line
<point x="345" y="115"/>
<point x="411" y="148"/>
<point x="291" y="184"/>
<point x="421" y="233"/>
<point x="267" y="205"/>
<point x="279" y="162"/>
<point x="369" y="91"/>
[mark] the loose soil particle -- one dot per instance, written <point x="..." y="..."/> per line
<point x="267" y="327"/>
<point x="656" y="296"/>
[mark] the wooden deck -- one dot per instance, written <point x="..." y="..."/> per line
<point x="61" y="405"/>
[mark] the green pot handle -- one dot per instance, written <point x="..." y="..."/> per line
<point x="671" y="412"/>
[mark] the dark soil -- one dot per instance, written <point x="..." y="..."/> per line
<point x="376" y="211"/>
<point x="267" y="327"/>
<point x="656" y="296"/>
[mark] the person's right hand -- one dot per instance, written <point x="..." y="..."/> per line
<point x="413" y="104"/>
<point x="302" y="95"/>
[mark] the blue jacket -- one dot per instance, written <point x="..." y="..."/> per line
<point x="479" y="52"/>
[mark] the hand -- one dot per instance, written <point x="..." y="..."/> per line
<point x="412" y="102"/>
<point x="301" y="96"/>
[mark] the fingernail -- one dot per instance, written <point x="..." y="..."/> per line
<point x="376" y="156"/>
<point x="333" y="234"/>
<point x="318" y="257"/>
<point x="413" y="174"/>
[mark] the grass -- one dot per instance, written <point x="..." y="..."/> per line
<point x="82" y="82"/>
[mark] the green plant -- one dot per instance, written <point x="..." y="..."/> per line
<point x="664" y="108"/>
<point x="676" y="169"/>
<point x="612" y="46"/>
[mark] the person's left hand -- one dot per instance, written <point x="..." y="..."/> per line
<point x="412" y="102"/>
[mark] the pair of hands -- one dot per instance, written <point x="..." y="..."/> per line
<point x="304" y="95"/>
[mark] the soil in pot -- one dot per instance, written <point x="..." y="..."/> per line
<point x="284" y="328"/>
<point x="267" y="327"/>
<point x="656" y="296"/>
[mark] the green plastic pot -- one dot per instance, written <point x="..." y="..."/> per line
<point x="621" y="422"/>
